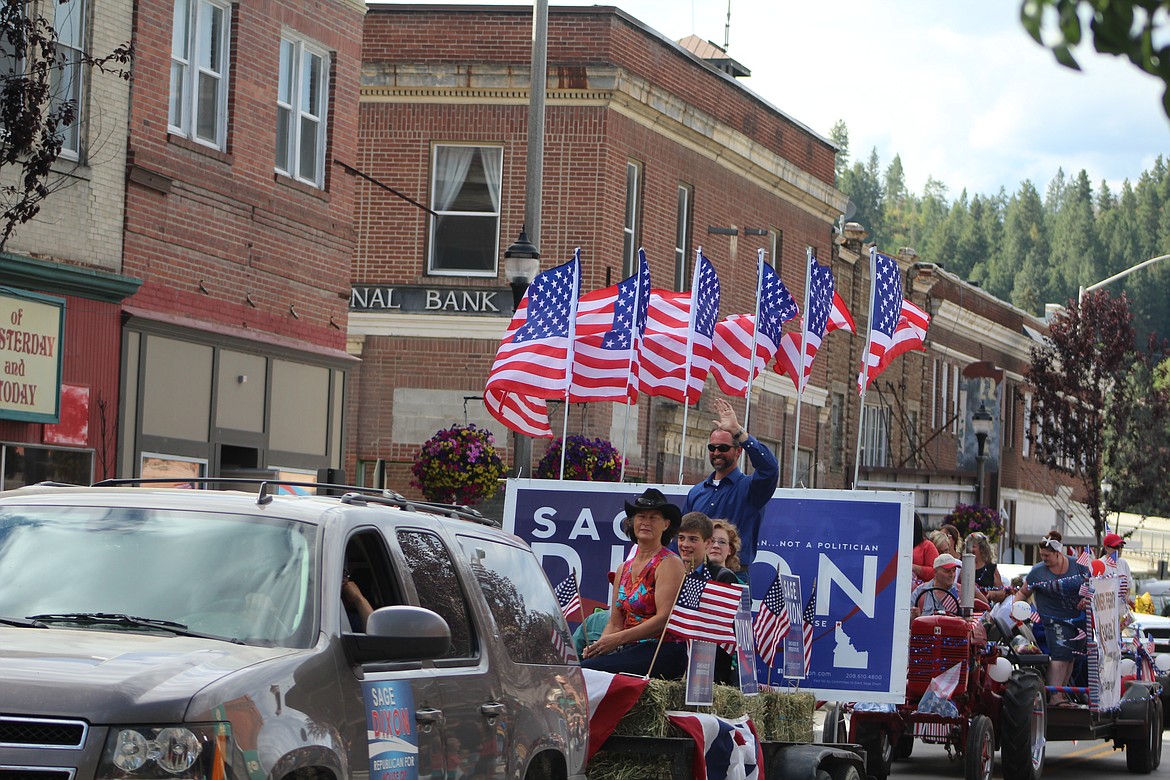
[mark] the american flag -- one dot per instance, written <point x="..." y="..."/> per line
<point x="536" y="352"/>
<point x="521" y="413"/>
<point x="810" y="614"/>
<point x="705" y="610"/>
<point x="884" y="316"/>
<point x="732" y="343"/>
<point x="676" y="348"/>
<point x="610" y="323"/>
<point x="771" y="622"/>
<point x="569" y="597"/>
<point x="1085" y="558"/>
<point x="826" y="313"/>
<point x="909" y="335"/>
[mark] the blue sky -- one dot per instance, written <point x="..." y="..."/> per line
<point x="959" y="90"/>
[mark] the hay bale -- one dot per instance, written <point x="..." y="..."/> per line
<point x="625" y="767"/>
<point x="783" y="716"/>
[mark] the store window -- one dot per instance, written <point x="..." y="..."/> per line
<point x="875" y="436"/>
<point x="465" y="199"/>
<point x="25" y="465"/>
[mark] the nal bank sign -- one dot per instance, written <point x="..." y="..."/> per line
<point x="486" y="301"/>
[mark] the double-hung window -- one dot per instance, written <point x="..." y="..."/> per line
<point x="682" y="239"/>
<point x="465" y="199"/>
<point x="69" y="23"/>
<point x="301" y="103"/>
<point x="630" y="224"/>
<point x="199" y="71"/>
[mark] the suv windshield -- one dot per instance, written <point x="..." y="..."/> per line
<point x="236" y="577"/>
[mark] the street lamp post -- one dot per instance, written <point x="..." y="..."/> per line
<point x="981" y="425"/>
<point x="1116" y="276"/>
<point x="521" y="265"/>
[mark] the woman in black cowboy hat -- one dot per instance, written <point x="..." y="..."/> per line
<point x="645" y="589"/>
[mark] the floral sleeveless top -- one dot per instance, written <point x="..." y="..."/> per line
<point x="636" y="591"/>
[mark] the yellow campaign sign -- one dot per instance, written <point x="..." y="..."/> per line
<point x="31" y="328"/>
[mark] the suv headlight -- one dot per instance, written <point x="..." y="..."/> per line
<point x="186" y="752"/>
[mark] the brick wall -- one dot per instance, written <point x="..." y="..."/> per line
<point x="229" y="241"/>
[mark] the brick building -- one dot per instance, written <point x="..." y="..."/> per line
<point x="62" y="274"/>
<point x="240" y="226"/>
<point x="646" y="145"/>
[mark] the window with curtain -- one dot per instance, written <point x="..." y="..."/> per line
<point x="199" y="68"/>
<point x="301" y="102"/>
<point x="875" y="436"/>
<point x="465" y="196"/>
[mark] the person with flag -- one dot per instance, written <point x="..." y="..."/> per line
<point x="1111" y="548"/>
<point x="694" y="543"/>
<point x="1055" y="583"/>
<point x="645" y="590"/>
<point x="727" y="492"/>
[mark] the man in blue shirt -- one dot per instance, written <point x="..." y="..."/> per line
<point x="728" y="493"/>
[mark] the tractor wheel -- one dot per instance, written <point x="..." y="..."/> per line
<point x="878" y="750"/>
<point x="979" y="758"/>
<point x="1142" y="755"/>
<point x="835" y="729"/>
<point x="904" y="746"/>
<point x="1023" y="719"/>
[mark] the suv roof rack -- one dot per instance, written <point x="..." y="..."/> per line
<point x="349" y="494"/>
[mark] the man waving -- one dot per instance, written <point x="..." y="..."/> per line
<point x="728" y="493"/>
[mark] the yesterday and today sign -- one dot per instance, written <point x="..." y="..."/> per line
<point x="491" y="302"/>
<point x="31" y="329"/>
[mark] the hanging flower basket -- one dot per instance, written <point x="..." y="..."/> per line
<point x="591" y="460"/>
<point x="458" y="465"/>
<point x="972" y="518"/>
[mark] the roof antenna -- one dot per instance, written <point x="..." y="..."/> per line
<point x="727" y="28"/>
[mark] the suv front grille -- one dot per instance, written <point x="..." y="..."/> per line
<point x="41" y="732"/>
<point x="34" y="773"/>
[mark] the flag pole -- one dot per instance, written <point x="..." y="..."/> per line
<point x="682" y="447"/>
<point x="863" y="377"/>
<point x="635" y="342"/>
<point x="569" y="352"/>
<point x="800" y="372"/>
<point x="662" y="636"/>
<point x="751" y="368"/>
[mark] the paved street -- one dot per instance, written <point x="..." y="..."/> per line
<point x="1064" y="759"/>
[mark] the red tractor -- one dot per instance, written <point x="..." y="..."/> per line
<point x="994" y="706"/>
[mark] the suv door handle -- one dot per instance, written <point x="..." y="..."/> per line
<point x="492" y="709"/>
<point x="428" y="716"/>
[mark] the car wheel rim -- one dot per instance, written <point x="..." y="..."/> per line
<point x="1038" y="732"/>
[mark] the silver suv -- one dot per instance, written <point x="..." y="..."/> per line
<point x="150" y="633"/>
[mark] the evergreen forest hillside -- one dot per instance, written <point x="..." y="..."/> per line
<point x="1027" y="247"/>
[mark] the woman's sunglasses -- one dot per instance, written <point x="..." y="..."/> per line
<point x="718" y="447"/>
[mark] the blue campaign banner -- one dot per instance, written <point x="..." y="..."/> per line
<point x="855" y="545"/>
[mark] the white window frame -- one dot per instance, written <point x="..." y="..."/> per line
<point x="439" y="192"/>
<point x="630" y="218"/>
<point x="194" y="45"/>
<point x="1026" y="447"/>
<point x="875" y="436"/>
<point x="682" y="238"/>
<point x="71" y="25"/>
<point x="775" y="247"/>
<point x="298" y="110"/>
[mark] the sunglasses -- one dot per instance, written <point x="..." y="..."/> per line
<point x="718" y="447"/>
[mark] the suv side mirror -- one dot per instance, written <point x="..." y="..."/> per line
<point x="399" y="633"/>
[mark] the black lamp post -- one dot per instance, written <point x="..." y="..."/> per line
<point x="981" y="424"/>
<point x="521" y="264"/>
